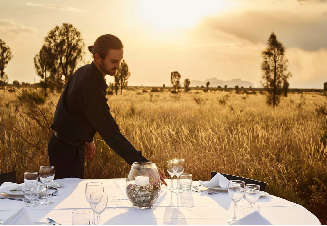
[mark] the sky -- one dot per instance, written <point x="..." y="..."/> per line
<point x="201" y="39"/>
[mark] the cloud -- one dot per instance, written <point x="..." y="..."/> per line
<point x="292" y="29"/>
<point x="13" y="29"/>
<point x="58" y="7"/>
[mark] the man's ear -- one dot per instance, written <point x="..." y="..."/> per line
<point x="97" y="58"/>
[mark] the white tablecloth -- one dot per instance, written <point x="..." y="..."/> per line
<point x="184" y="208"/>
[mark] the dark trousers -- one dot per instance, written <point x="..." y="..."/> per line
<point x="68" y="160"/>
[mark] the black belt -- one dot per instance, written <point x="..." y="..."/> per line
<point x="67" y="141"/>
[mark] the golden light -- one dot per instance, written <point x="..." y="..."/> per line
<point x="179" y="13"/>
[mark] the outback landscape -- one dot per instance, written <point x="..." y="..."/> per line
<point x="224" y="131"/>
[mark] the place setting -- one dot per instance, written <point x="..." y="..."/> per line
<point x="37" y="190"/>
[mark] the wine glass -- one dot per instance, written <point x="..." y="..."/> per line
<point x="178" y="169"/>
<point x="98" y="203"/>
<point x="46" y="174"/>
<point x="252" y="193"/>
<point x="171" y="173"/>
<point x="236" y="193"/>
<point x="96" y="187"/>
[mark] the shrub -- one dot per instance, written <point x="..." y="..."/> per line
<point x="32" y="96"/>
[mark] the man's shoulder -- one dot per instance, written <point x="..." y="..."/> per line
<point x="84" y="74"/>
<point x="84" y="70"/>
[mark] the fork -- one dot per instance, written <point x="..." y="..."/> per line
<point x="17" y="199"/>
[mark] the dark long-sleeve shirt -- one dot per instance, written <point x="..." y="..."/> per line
<point x="82" y="111"/>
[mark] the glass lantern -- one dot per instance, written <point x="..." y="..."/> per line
<point x="143" y="184"/>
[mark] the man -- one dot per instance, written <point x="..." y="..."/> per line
<point x="82" y="111"/>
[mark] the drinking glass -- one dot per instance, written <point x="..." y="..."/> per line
<point x="185" y="181"/>
<point x="236" y="193"/>
<point x="31" y="196"/>
<point x="178" y="169"/>
<point x="89" y="189"/>
<point x="171" y="173"/>
<point x="46" y="174"/>
<point x="98" y="203"/>
<point x="252" y="193"/>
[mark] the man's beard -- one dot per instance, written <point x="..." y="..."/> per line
<point x="103" y="68"/>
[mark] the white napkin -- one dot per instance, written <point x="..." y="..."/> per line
<point x="19" y="218"/>
<point x="217" y="180"/>
<point x="16" y="187"/>
<point x="254" y="218"/>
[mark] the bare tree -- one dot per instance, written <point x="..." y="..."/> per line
<point x="5" y="57"/>
<point x="274" y="67"/>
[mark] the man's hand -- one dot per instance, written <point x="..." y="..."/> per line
<point x="89" y="150"/>
<point x="162" y="177"/>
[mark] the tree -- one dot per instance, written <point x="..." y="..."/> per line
<point x="274" y="67"/>
<point x="237" y="89"/>
<point x="44" y="66"/>
<point x="15" y="83"/>
<point x="207" y="85"/>
<point x="5" y="57"/>
<point x="67" y="47"/>
<point x="175" y="76"/>
<point x="285" y="88"/>
<point x="4" y="79"/>
<point x="187" y="83"/>
<point x="122" y="75"/>
<point x="117" y="83"/>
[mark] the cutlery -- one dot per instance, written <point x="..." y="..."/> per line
<point x="52" y="222"/>
<point x="17" y="199"/>
<point x="55" y="193"/>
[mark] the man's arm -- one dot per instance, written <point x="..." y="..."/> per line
<point x="94" y="105"/>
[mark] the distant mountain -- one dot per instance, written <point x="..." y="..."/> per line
<point x="216" y="82"/>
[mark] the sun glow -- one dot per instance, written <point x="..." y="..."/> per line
<point x="179" y="13"/>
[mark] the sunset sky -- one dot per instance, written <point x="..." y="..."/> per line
<point x="200" y="39"/>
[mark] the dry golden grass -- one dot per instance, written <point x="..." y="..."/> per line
<point x="219" y="131"/>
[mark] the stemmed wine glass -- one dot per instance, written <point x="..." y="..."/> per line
<point x="252" y="193"/>
<point x="46" y="174"/>
<point x="93" y="187"/>
<point x="98" y="203"/>
<point x="171" y="173"/>
<point x="236" y="193"/>
<point x="178" y="169"/>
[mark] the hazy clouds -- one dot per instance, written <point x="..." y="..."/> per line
<point x="58" y="7"/>
<point x="13" y="29"/>
<point x="307" y="32"/>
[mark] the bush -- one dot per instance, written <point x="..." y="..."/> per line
<point x="155" y="90"/>
<point x="32" y="96"/>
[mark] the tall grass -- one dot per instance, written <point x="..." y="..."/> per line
<point x="235" y="134"/>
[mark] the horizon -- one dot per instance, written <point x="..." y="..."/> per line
<point x="221" y="39"/>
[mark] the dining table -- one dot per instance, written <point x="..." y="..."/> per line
<point x="191" y="207"/>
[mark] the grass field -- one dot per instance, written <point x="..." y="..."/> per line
<point x="221" y="131"/>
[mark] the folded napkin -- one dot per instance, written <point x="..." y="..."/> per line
<point x="254" y="218"/>
<point x="19" y="218"/>
<point x="17" y="187"/>
<point x="217" y="180"/>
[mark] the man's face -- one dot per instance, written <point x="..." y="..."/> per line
<point x="111" y="63"/>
